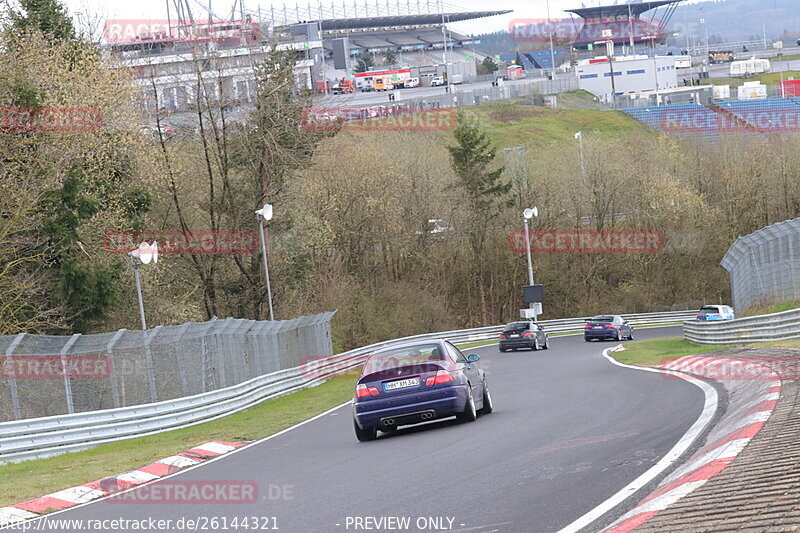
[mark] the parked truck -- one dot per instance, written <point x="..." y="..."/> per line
<point x="749" y="67"/>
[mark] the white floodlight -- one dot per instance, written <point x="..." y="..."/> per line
<point x="530" y="213"/>
<point x="265" y="212"/>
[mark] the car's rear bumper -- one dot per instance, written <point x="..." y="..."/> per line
<point x="598" y="334"/>
<point x="443" y="402"/>
<point x="517" y="343"/>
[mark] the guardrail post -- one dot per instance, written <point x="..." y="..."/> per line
<point x="110" y="350"/>
<point x="65" y="368"/>
<point x="179" y="359"/>
<point x="207" y="376"/>
<point x="12" y="375"/>
<point x="151" y="371"/>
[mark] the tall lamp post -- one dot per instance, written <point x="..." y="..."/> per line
<point x="610" y="54"/>
<point x="528" y="214"/>
<point x="142" y="256"/>
<point x="265" y="214"/>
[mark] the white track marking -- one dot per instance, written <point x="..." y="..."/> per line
<point x="699" y="426"/>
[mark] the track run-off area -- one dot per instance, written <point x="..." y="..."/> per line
<point x="569" y="431"/>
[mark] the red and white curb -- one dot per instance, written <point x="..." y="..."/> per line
<point x="101" y="488"/>
<point x="753" y="391"/>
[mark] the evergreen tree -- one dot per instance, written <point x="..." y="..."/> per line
<point x="47" y="16"/>
<point x="488" y="65"/>
<point x="364" y="62"/>
<point x="472" y="159"/>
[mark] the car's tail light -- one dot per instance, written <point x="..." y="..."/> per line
<point x="362" y="391"/>
<point x="529" y="334"/>
<point x="610" y="326"/>
<point x="587" y="326"/>
<point x="717" y="316"/>
<point x="442" y="376"/>
<point x="700" y="315"/>
<point x="502" y="336"/>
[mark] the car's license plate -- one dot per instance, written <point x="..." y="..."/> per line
<point x="514" y="335"/>
<point x="402" y="384"/>
<point x="598" y="327"/>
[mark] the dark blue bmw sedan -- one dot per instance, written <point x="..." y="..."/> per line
<point x="418" y="382"/>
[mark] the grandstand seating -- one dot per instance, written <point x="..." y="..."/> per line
<point x="766" y="114"/>
<point x="402" y="39"/>
<point x="370" y="41"/>
<point x="680" y="119"/>
<point x="537" y="59"/>
<point x="430" y="36"/>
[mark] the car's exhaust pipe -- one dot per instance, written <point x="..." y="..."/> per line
<point x="388" y="422"/>
<point x="427" y="416"/>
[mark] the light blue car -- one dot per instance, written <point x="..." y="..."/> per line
<point x="715" y="312"/>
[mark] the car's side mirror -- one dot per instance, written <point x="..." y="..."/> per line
<point x="541" y="328"/>
<point x="473" y="358"/>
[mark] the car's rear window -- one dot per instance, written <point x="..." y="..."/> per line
<point x="709" y="310"/>
<point x="408" y="356"/>
<point x="515" y="326"/>
<point x="602" y="318"/>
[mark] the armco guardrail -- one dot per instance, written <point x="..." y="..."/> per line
<point x="761" y="328"/>
<point x="37" y="438"/>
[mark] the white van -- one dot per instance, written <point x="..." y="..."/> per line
<point x="411" y="83"/>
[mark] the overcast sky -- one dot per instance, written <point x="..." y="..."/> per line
<point x="156" y="9"/>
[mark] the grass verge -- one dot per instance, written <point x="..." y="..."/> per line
<point x="23" y="481"/>
<point x="772" y="308"/>
<point x="770" y="78"/>
<point x="653" y="352"/>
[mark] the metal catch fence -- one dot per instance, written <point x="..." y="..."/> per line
<point x="764" y="266"/>
<point x="46" y="375"/>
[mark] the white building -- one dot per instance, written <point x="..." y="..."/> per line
<point x="631" y="74"/>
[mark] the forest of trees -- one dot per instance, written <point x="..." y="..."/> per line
<point x="353" y="209"/>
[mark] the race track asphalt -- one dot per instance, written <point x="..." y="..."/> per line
<point x="569" y="430"/>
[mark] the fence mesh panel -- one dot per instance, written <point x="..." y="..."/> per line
<point x="764" y="266"/>
<point x="45" y="375"/>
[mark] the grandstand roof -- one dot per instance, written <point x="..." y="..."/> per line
<point x="404" y="20"/>
<point x="620" y="10"/>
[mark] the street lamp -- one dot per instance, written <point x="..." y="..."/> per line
<point x="610" y="54"/>
<point x="265" y="214"/>
<point x="579" y="136"/>
<point x="142" y="256"/>
<point x="526" y="216"/>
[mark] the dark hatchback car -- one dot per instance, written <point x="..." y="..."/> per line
<point x="523" y="334"/>
<point x="604" y="327"/>
<point x="418" y="382"/>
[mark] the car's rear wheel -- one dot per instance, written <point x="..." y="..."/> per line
<point x="587" y="339"/>
<point x="488" y="406"/>
<point x="618" y="336"/>
<point x="503" y="348"/>
<point x="546" y="342"/>
<point x="469" y="414"/>
<point x="630" y="337"/>
<point x="535" y="344"/>
<point x="364" y="435"/>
